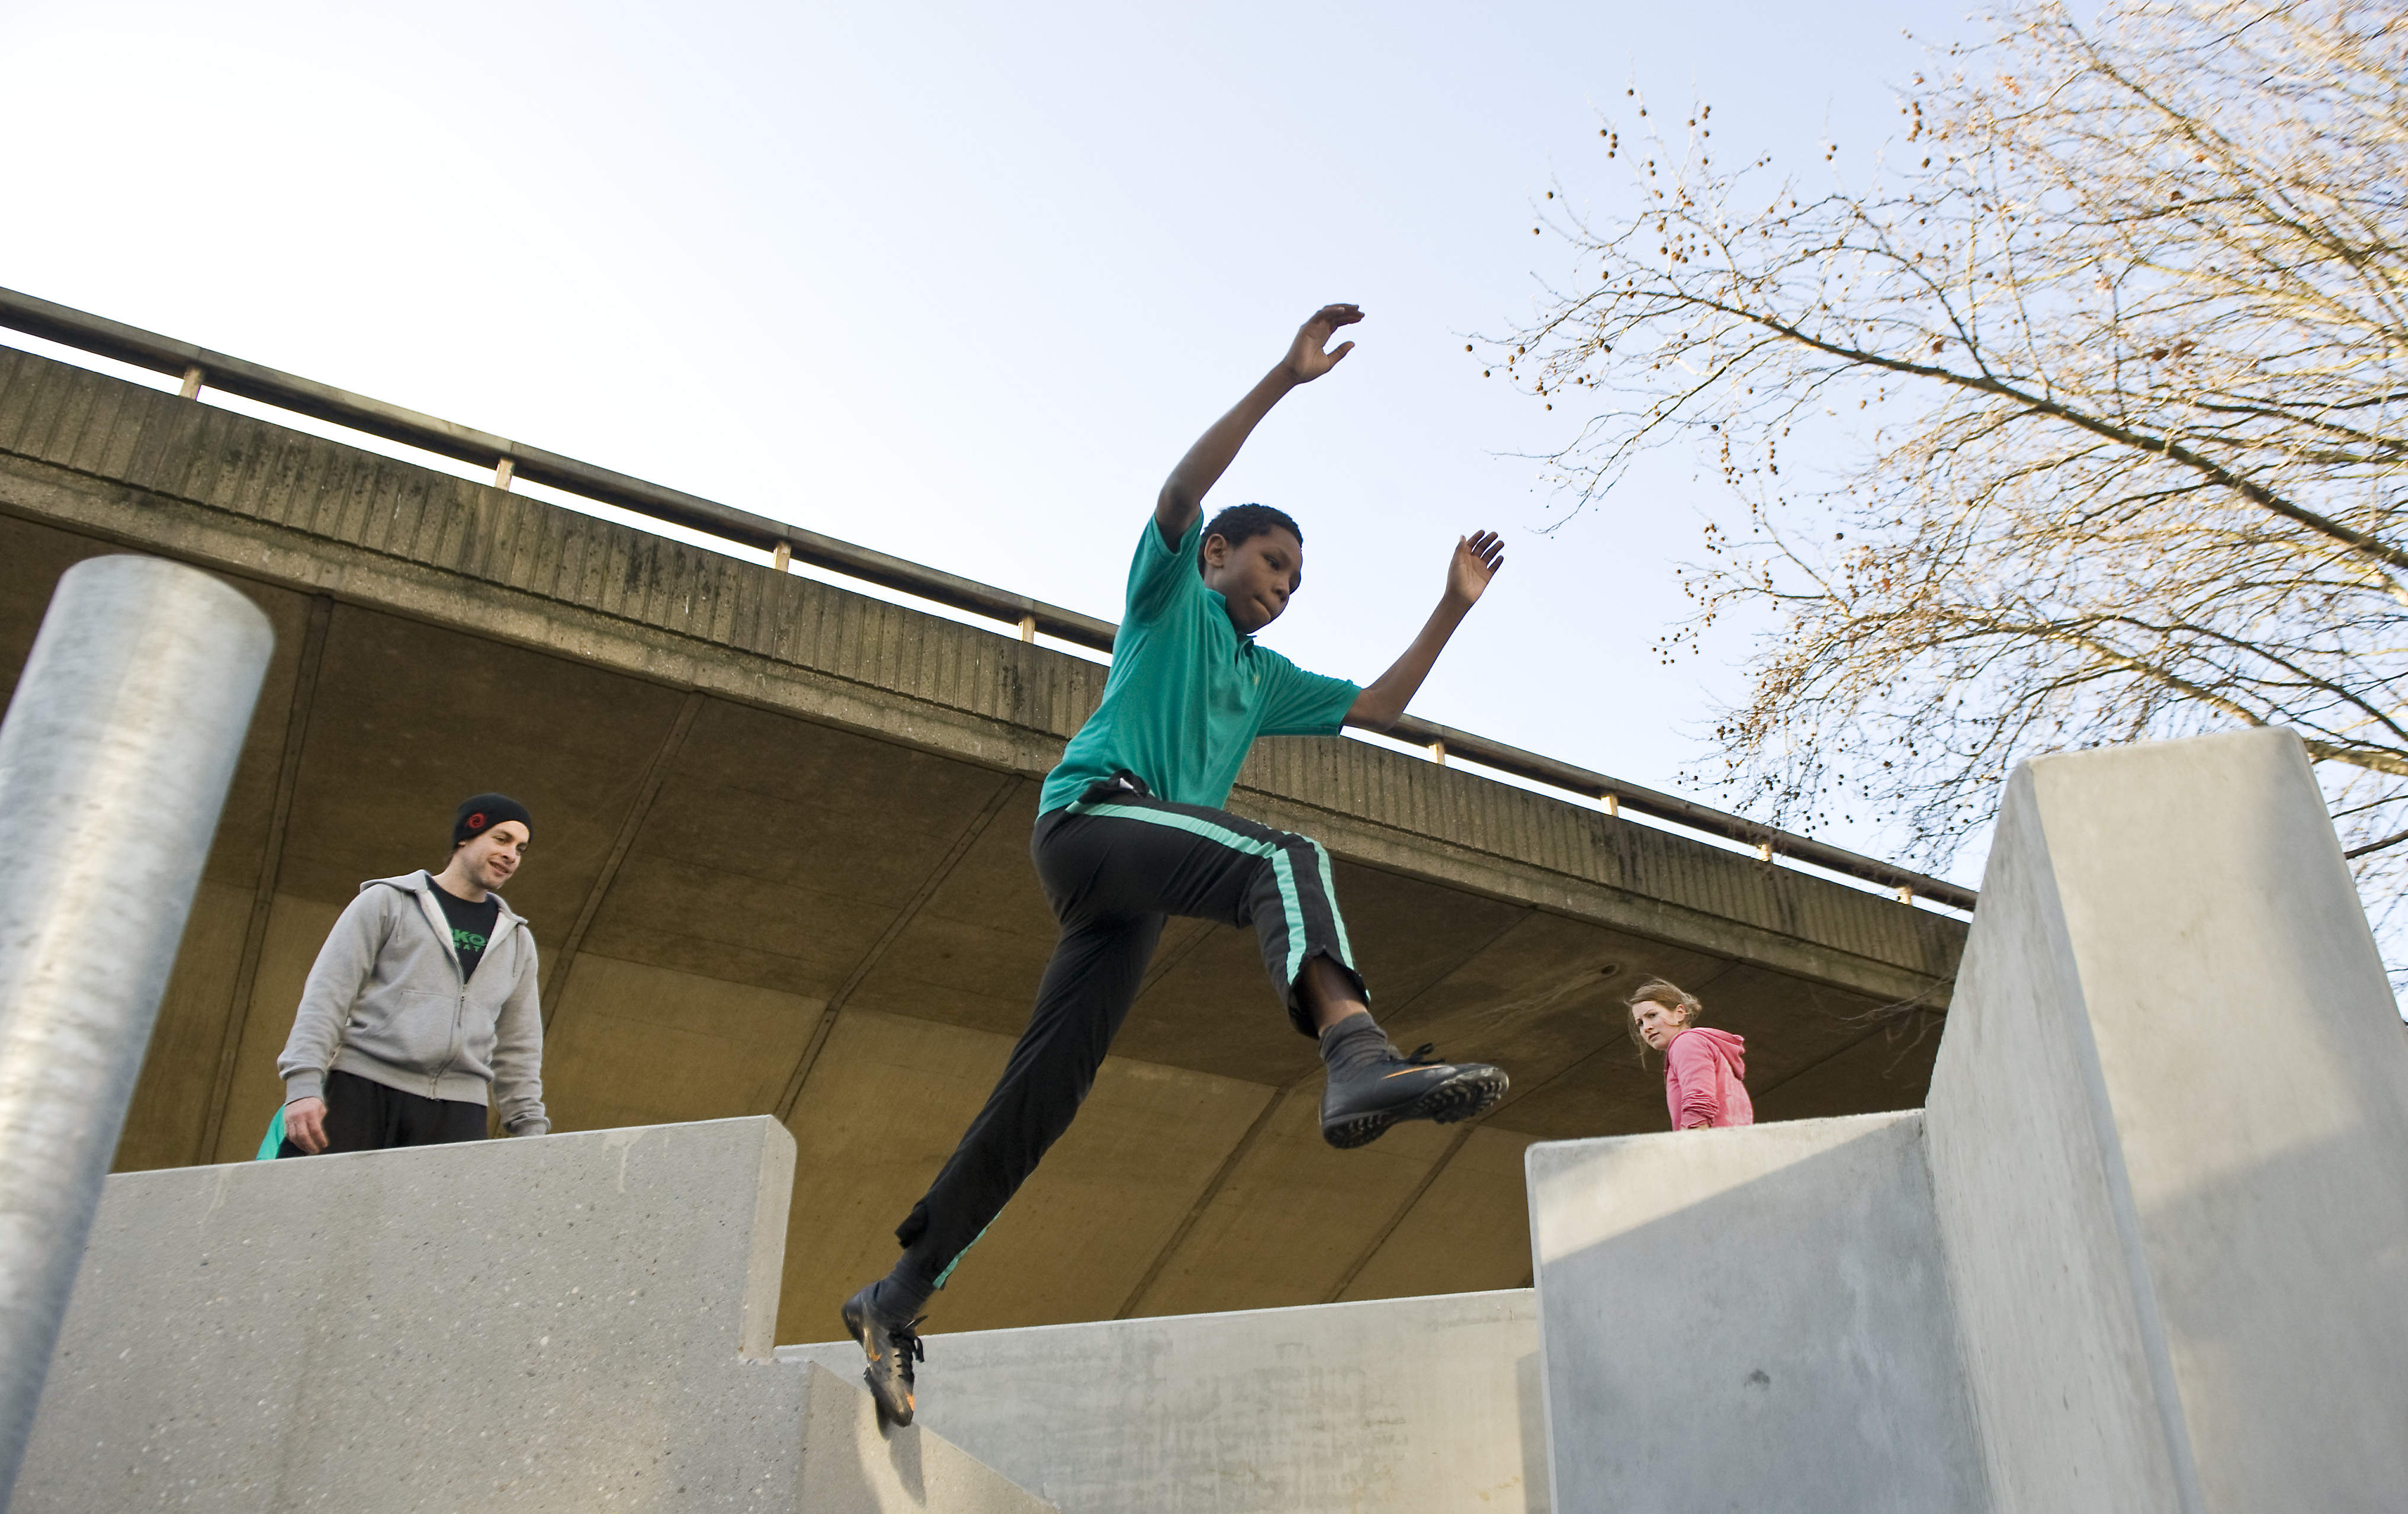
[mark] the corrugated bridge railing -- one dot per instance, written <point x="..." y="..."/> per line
<point x="199" y="368"/>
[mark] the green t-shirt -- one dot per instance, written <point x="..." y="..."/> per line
<point x="1187" y="695"/>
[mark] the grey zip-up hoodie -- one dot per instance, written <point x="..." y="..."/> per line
<point x="384" y="1001"/>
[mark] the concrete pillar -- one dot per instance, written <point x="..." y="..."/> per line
<point x="2169" y="1137"/>
<point x="115" y="758"/>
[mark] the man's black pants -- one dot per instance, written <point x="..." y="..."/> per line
<point x="1113" y="866"/>
<point x="363" y="1115"/>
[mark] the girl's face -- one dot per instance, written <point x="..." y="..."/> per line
<point x="1658" y="1023"/>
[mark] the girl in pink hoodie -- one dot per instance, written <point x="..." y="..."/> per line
<point x="1703" y="1067"/>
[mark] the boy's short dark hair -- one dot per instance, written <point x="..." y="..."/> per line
<point x="1239" y="524"/>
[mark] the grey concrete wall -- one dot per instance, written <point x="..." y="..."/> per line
<point x="1407" y="1406"/>
<point x="2023" y="1177"/>
<point x="2167" y="1132"/>
<point x="570" y="1323"/>
<point x="852" y="1462"/>
<point x="1750" y="1319"/>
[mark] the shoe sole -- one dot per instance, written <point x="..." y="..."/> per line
<point x="860" y="1329"/>
<point x="1460" y="1097"/>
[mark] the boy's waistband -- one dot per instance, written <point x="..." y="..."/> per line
<point x="1122" y="784"/>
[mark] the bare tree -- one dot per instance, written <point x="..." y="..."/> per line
<point x="2117" y="345"/>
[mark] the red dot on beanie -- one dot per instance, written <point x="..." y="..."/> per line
<point x="480" y="813"/>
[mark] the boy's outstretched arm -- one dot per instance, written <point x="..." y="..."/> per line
<point x="1183" y="493"/>
<point x="1477" y="558"/>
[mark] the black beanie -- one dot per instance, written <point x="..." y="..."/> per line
<point x="480" y="813"/>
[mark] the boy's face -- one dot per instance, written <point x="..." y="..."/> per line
<point x="1256" y="577"/>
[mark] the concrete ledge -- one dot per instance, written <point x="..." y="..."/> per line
<point x="1752" y="1318"/>
<point x="1410" y="1405"/>
<point x="850" y="1461"/>
<point x="570" y="1323"/>
<point x="553" y="1323"/>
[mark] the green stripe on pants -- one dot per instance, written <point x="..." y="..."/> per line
<point x="1329" y="892"/>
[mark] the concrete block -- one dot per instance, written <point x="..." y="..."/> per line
<point x="571" y="1323"/>
<point x="1409" y="1405"/>
<point x="547" y="1323"/>
<point x="851" y="1462"/>
<point x="2168" y="1129"/>
<point x="1750" y="1319"/>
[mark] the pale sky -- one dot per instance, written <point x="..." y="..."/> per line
<point x="959" y="282"/>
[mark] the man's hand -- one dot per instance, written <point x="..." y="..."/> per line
<point x="305" y="1124"/>
<point x="1306" y="361"/>
<point x="1477" y="558"/>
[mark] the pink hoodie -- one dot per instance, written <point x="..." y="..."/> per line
<point x="1703" y="1068"/>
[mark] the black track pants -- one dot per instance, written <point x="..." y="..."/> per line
<point x="1113" y="868"/>
<point x="363" y="1115"/>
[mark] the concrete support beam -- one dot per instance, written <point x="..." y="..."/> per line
<point x="1004" y="792"/>
<point x="1202" y="1202"/>
<point x="2168" y="1128"/>
<point x="655" y="773"/>
<point x="1462" y="1136"/>
<point x="1424" y="1405"/>
<point x="271" y="857"/>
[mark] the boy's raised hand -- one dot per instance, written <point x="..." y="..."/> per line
<point x="1306" y="360"/>
<point x="1477" y="558"/>
<point x="1183" y="493"/>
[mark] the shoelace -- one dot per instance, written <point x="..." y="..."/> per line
<point x="1424" y="1054"/>
<point x="906" y="1341"/>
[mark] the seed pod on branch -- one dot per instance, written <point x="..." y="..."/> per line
<point x="2131" y="346"/>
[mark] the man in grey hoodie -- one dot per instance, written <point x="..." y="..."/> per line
<point x="421" y="1005"/>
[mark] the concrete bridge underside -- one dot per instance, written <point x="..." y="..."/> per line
<point x="781" y="869"/>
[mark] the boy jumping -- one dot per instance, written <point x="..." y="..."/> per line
<point x="1129" y="831"/>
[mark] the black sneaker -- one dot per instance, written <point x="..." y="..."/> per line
<point x="892" y="1347"/>
<point x="1360" y="1103"/>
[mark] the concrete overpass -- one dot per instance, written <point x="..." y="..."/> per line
<point x="781" y="869"/>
